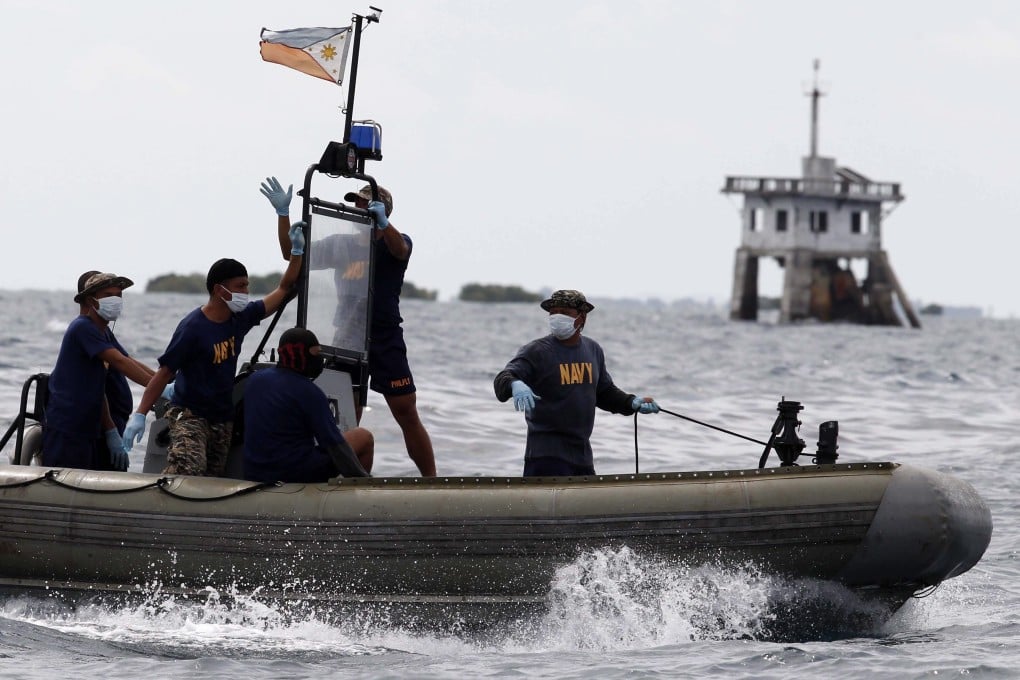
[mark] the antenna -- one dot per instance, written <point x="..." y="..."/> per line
<point x="815" y="92"/>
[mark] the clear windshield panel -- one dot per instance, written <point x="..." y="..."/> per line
<point x="338" y="281"/>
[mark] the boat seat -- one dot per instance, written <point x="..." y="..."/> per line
<point x="159" y="439"/>
<point x="159" y="436"/>
<point x="336" y="385"/>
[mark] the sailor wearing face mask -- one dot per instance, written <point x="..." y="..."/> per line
<point x="109" y="448"/>
<point x="78" y="410"/>
<point x="559" y="381"/>
<point x="290" y="434"/>
<point x="202" y="360"/>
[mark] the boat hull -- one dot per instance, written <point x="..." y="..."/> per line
<point x="478" y="539"/>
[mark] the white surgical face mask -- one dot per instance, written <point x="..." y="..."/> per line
<point x="237" y="301"/>
<point x="561" y="326"/>
<point x="110" y="307"/>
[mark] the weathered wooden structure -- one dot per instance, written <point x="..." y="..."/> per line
<point x="814" y="226"/>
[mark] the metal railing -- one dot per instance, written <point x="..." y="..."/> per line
<point x="886" y="191"/>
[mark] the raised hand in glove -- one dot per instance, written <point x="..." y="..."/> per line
<point x="378" y="210"/>
<point x="273" y="190"/>
<point x="297" y="238"/>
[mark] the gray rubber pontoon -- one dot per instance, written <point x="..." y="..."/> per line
<point x="882" y="526"/>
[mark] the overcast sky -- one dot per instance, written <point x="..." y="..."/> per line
<point x="545" y="144"/>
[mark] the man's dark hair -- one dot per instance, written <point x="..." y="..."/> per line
<point x="223" y="269"/>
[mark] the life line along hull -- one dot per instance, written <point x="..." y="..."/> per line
<point x="878" y="525"/>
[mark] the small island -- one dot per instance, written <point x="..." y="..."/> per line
<point x="258" y="285"/>
<point x="478" y="292"/>
<point x="195" y="283"/>
<point x="409" y="291"/>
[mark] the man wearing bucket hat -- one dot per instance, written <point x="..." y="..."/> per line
<point x="77" y="410"/>
<point x="117" y="391"/>
<point x="558" y="381"/>
<point x="387" y="354"/>
<point x="202" y="360"/>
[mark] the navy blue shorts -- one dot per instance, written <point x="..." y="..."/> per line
<point x="555" y="467"/>
<point x="387" y="362"/>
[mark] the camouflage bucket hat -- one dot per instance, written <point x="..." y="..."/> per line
<point x="366" y="193"/>
<point x="97" y="282"/>
<point x="84" y="278"/>
<point x="571" y="299"/>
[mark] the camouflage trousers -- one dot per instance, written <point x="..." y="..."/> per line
<point x="197" y="447"/>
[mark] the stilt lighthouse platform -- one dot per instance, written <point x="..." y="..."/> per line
<point x="815" y="226"/>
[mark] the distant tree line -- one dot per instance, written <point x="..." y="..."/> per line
<point x="478" y="292"/>
<point x="195" y="283"/>
<point x="409" y="291"/>
<point x="258" y="285"/>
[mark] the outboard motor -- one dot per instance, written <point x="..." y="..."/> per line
<point x="789" y="446"/>
<point x="827" y="434"/>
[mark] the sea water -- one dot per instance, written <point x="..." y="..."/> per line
<point x="943" y="397"/>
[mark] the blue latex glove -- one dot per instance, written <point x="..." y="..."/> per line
<point x="133" y="430"/>
<point x="168" y="392"/>
<point x="378" y="210"/>
<point x="273" y="190"/>
<point x="118" y="456"/>
<point x="297" y="238"/>
<point x="639" y="404"/>
<point x="524" y="398"/>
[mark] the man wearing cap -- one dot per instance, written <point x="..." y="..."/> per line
<point x="290" y="433"/>
<point x="77" y="410"/>
<point x="117" y="391"/>
<point x="558" y="381"/>
<point x="387" y="354"/>
<point x="202" y="355"/>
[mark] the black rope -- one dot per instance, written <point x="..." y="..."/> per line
<point x="636" y="470"/>
<point x="679" y="415"/>
<point x="162" y="484"/>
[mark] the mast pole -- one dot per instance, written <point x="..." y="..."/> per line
<point x="815" y="94"/>
<point x="353" y="80"/>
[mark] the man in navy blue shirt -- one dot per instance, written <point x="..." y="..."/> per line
<point x="118" y="393"/>
<point x="570" y="380"/>
<point x="202" y="360"/>
<point x="290" y="433"/>
<point x="77" y="410"/>
<point x="387" y="354"/>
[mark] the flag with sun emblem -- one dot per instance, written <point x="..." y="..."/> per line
<point x="319" y="52"/>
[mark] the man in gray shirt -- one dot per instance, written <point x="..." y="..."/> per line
<point x="558" y="381"/>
